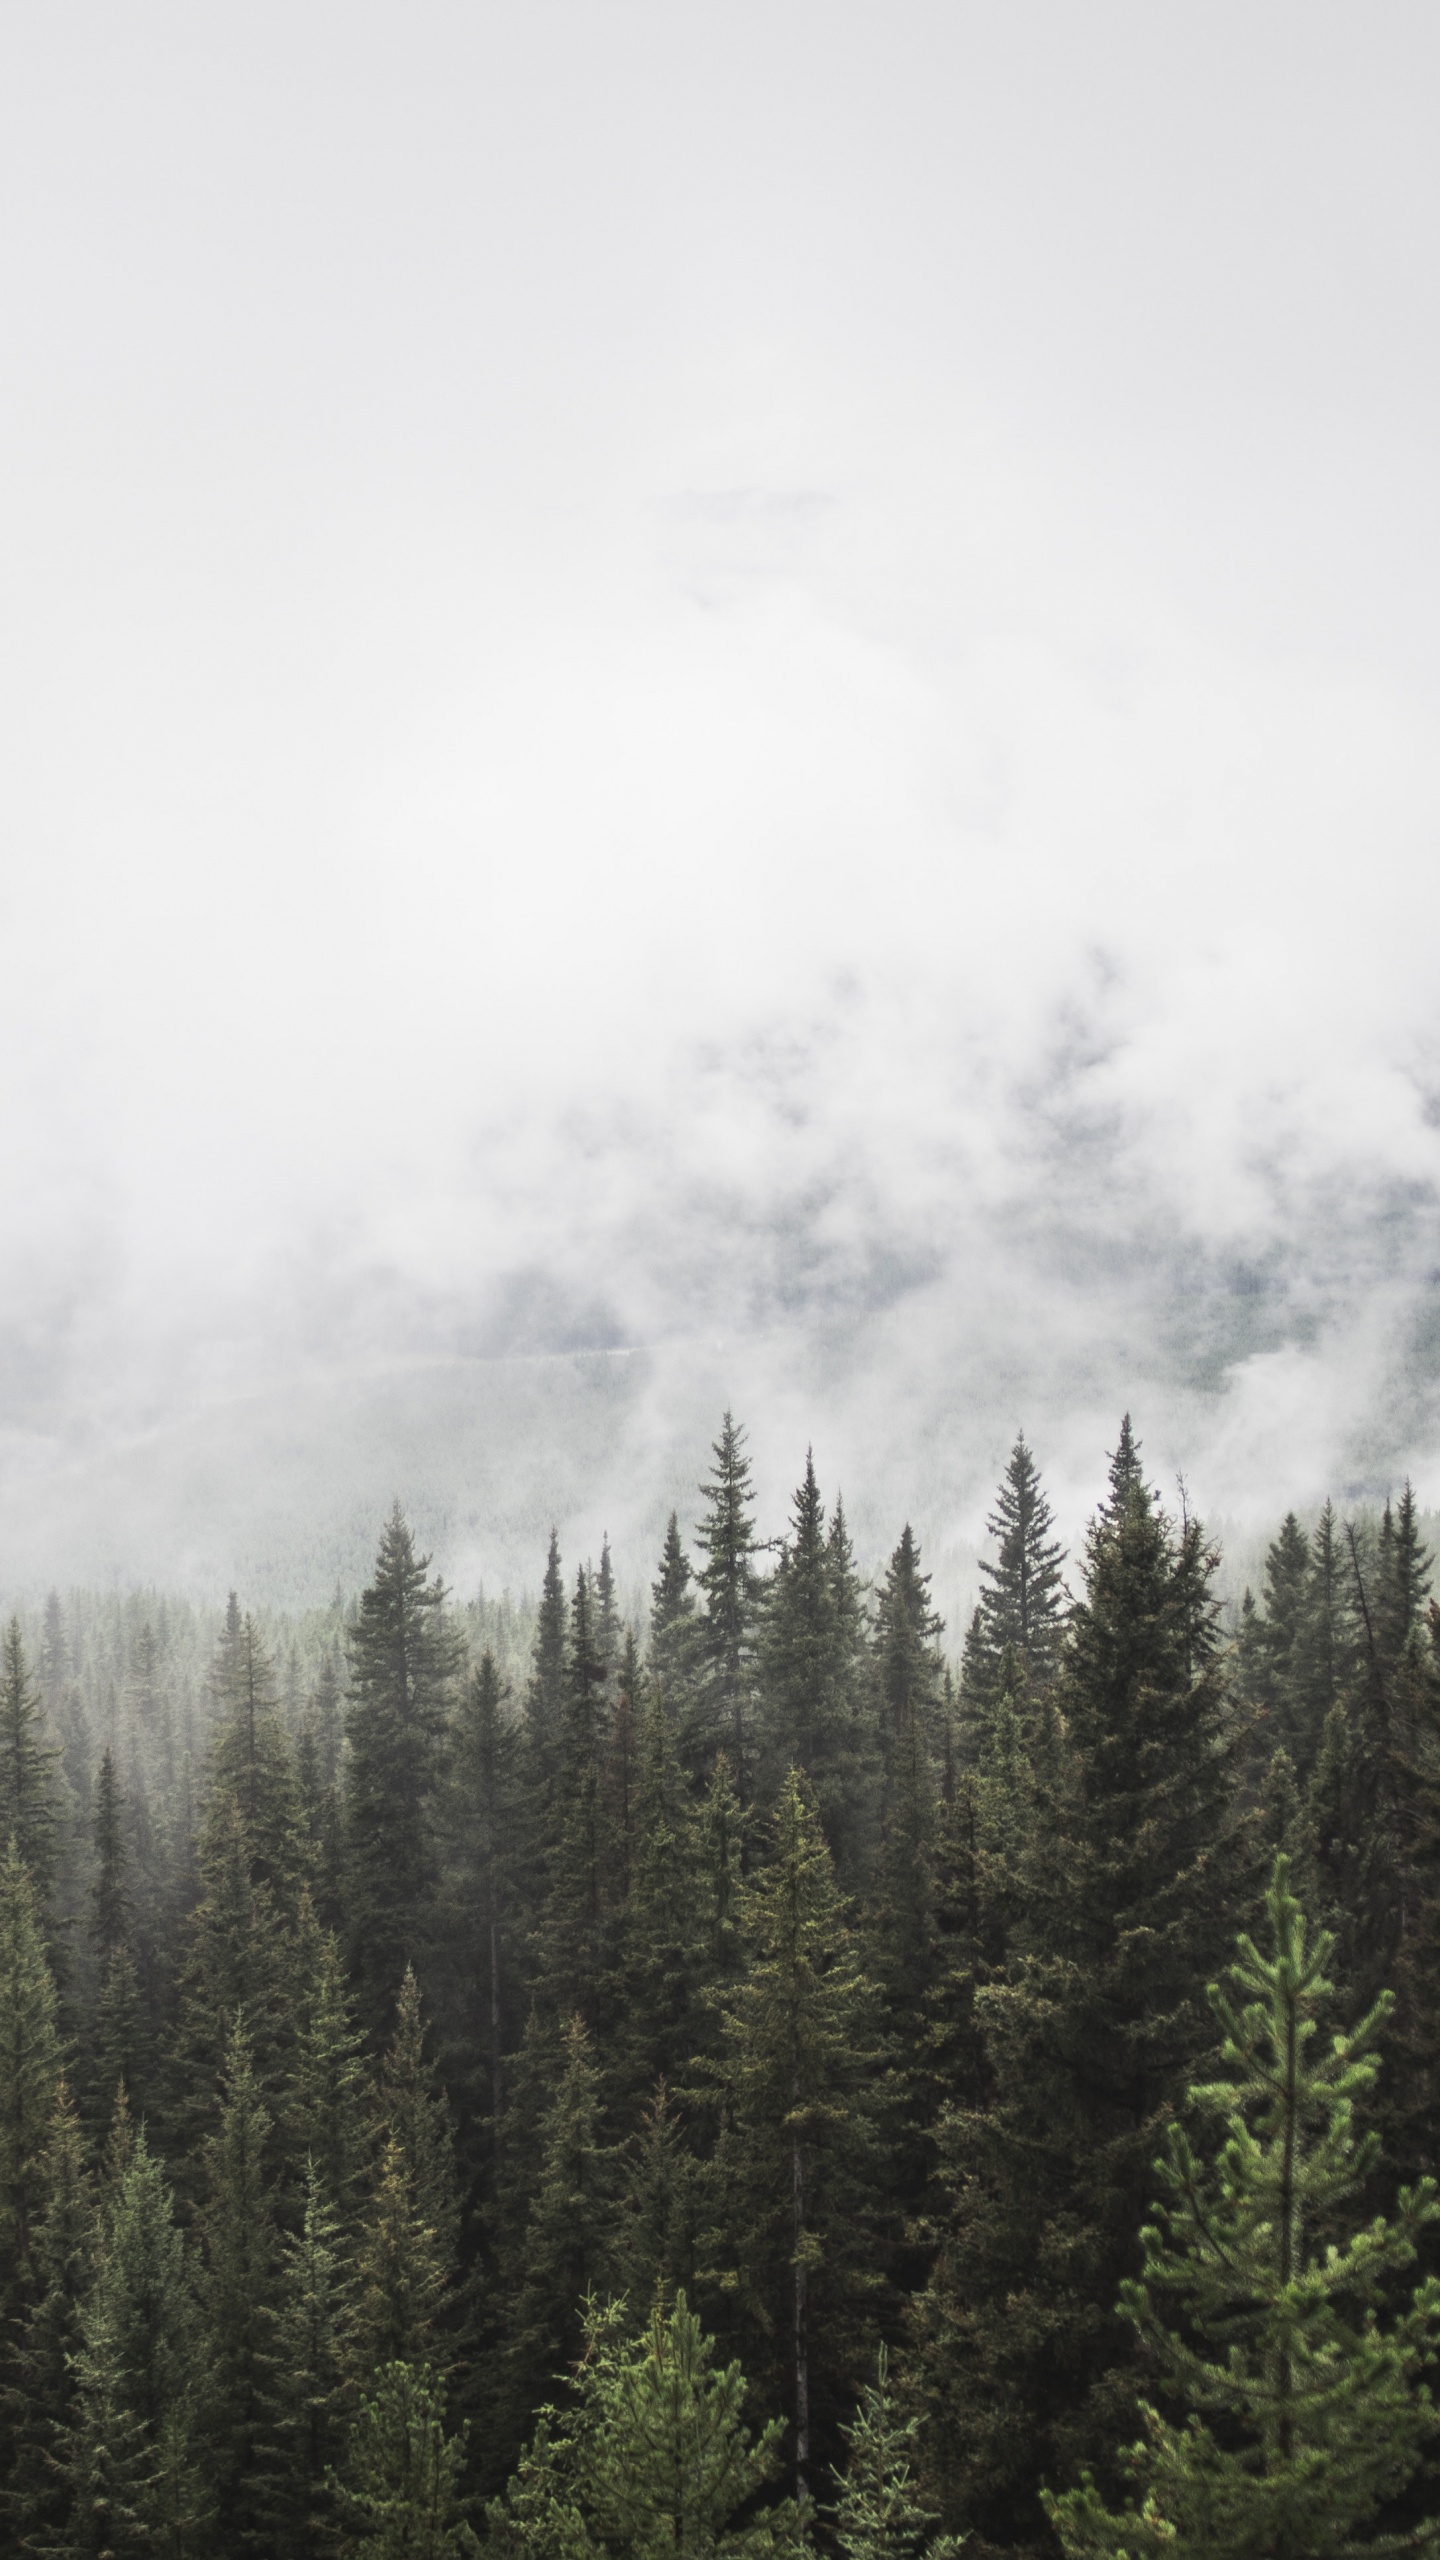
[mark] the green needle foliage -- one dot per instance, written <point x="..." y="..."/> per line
<point x="878" y="2514"/>
<point x="400" y="2494"/>
<point x="1306" y="2408"/>
<point x="652" y="2456"/>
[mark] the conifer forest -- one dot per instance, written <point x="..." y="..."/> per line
<point x="781" y="2074"/>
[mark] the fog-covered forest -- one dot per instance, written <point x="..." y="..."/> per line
<point x="742" y="2079"/>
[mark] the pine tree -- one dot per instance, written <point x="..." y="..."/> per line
<point x="402" y="2275"/>
<point x="1132" y="1879"/>
<point x="322" y="2101"/>
<point x="574" y="1953"/>
<point x="732" y="1591"/>
<point x="878" y="2514"/>
<point x="545" y="1708"/>
<point x="790" y="2176"/>
<point x="252" y="1763"/>
<point x="310" y="2363"/>
<point x="662" y="1954"/>
<point x="414" y="2113"/>
<point x="403" y="1662"/>
<point x="652" y="2456"/>
<point x="675" y="1648"/>
<point x="29" y="1765"/>
<point x="1306" y="2407"/>
<point x="907" y="1634"/>
<point x="482" y="1932"/>
<point x="808" y="1667"/>
<point x="37" y="2386"/>
<point x="133" y="2479"/>
<point x="1023" y="1606"/>
<point x="29" y="2073"/>
<point x="238" y="2292"/>
<point x="555" y="2227"/>
<point x="400" y="2491"/>
<point x="607" y="1619"/>
<point x="110" y="1901"/>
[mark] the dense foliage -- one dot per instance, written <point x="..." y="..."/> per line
<point x="541" y="2081"/>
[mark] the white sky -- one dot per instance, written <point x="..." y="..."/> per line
<point x="753" y="682"/>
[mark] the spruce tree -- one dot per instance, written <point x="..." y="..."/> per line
<point x="907" y="1635"/>
<point x="310" y="2366"/>
<point x="662" y="1957"/>
<point x="1301" y="2405"/>
<point x="134" y="2481"/>
<point x="483" y="1926"/>
<point x="790" y="2237"/>
<point x="732" y="1593"/>
<point x="238" y="2291"/>
<point x="574" y="1950"/>
<point x="878" y="2514"/>
<point x="29" y="2073"/>
<point x="322" y="2101"/>
<point x="651" y="2456"/>
<point x="29" y="1770"/>
<point x="38" y="2407"/>
<point x="400" y="2491"/>
<point x="404" y="1657"/>
<point x="675" y="1648"/>
<point x="544" y="1710"/>
<point x="1132" y="1879"/>
<point x="808" y="1666"/>
<point x="556" y="2221"/>
<point x="1023" y="1605"/>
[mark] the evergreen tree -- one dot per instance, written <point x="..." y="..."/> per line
<point x="403" y="1662"/>
<point x="651" y="2457"/>
<point x="1306" y="2407"/>
<point x="414" y="2113"/>
<point x="556" y="2231"/>
<point x="400" y="2495"/>
<point x="482" y="1933"/>
<point x="732" y="1593"/>
<point x="662" y="1954"/>
<point x="133" y="2479"/>
<point x="322" y="2100"/>
<point x="403" y="2278"/>
<point x="878" y="2514"/>
<point x="1023" y="1605"/>
<point x="238" y="2291"/>
<point x="607" y="1618"/>
<point x="675" y="1648"/>
<point x="545" y="1708"/>
<point x="790" y="2175"/>
<point x="252" y="1764"/>
<point x="310" y="2364"/>
<point x="574" y="1956"/>
<point x="1132" y="1879"/>
<point x="110" y="1902"/>
<point x="37" y="2392"/>
<point x="29" y="1770"/>
<point x="29" y="2073"/>
<point x="809" y="1659"/>
<point x="907" y="1634"/>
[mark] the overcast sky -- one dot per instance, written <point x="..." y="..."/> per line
<point x="710" y="702"/>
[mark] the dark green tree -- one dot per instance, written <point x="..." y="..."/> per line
<point x="238" y="2289"/>
<point x="29" y="2073"/>
<point x="404" y="1659"/>
<point x="675" y="1649"/>
<point x="29" y="1769"/>
<point x="400" y="2492"/>
<point x="1022" y="1608"/>
<point x="310" y="2366"/>
<point x="38" y="2408"/>
<point x="809" y="1680"/>
<point x="731" y="1588"/>
<point x="1133" y="1877"/>
<point x="791" y="2240"/>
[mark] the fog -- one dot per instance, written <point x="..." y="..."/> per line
<point x="728" y="705"/>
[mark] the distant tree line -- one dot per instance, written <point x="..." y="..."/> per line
<point x="744" y="2083"/>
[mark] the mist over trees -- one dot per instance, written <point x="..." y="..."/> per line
<point x="748" y="2079"/>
